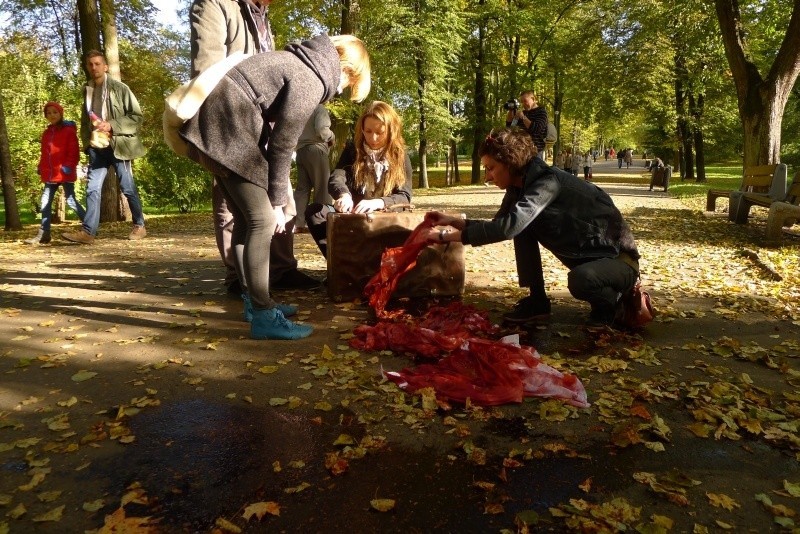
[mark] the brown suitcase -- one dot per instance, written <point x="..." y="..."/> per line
<point x="356" y="242"/>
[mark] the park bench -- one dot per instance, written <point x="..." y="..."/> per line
<point x="784" y="213"/>
<point x="768" y="181"/>
<point x="742" y="202"/>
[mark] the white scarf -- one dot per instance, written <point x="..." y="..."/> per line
<point x="376" y="162"/>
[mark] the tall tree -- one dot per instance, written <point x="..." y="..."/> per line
<point x="9" y="193"/>
<point x="762" y="99"/>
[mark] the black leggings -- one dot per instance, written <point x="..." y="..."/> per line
<point x="253" y="226"/>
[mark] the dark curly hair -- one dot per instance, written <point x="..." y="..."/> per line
<point x="512" y="147"/>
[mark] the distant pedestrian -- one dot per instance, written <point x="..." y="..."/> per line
<point x="58" y="166"/>
<point x="575" y="162"/>
<point x="587" y="166"/>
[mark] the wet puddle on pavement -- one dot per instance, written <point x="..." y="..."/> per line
<point x="202" y="460"/>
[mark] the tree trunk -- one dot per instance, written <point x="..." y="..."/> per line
<point x="696" y="108"/>
<point x="479" y="131"/>
<point x="454" y="164"/>
<point x="681" y="127"/>
<point x="109" y="20"/>
<point x="350" y="11"/>
<point x="89" y="20"/>
<point x="7" y="175"/>
<point x="558" y="103"/>
<point x="761" y="101"/>
<point x="422" y="82"/>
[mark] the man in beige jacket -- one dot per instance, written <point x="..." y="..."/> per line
<point x="220" y="28"/>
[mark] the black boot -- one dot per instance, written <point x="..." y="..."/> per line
<point x="43" y="237"/>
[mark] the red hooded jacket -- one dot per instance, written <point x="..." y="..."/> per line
<point x="60" y="153"/>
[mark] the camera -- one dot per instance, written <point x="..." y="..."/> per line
<point x="512" y="104"/>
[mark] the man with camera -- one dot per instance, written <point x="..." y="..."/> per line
<point x="529" y="116"/>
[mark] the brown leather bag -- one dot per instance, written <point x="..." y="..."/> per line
<point x="637" y="308"/>
<point x="356" y="242"/>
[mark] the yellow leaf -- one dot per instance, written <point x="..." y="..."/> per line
<point x="82" y="375"/>
<point x="297" y="489"/>
<point x="227" y="526"/>
<point x="382" y="505"/>
<point x="117" y="522"/>
<point x="792" y="489"/>
<point x="18" y="511"/>
<point x="259" y="509"/>
<point x="35" y="481"/>
<point x="268" y="369"/>
<point x="344" y="439"/>
<point x="720" y="500"/>
<point x="69" y="402"/>
<point x="52" y="515"/>
<point x="48" y="496"/>
<point x="93" y="506"/>
<point x="277" y="401"/>
<point x="324" y="406"/>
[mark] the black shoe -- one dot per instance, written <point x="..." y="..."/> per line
<point x="529" y="309"/>
<point x="605" y="315"/>
<point x="235" y="288"/>
<point x="295" y="280"/>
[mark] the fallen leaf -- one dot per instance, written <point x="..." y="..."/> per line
<point x="382" y="505"/>
<point x="260" y="509"/>
<point x="93" y="506"/>
<point x="53" y="515"/>
<point x="720" y="500"/>
<point x="82" y="375"/>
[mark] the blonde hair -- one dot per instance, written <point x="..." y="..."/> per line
<point x="354" y="59"/>
<point x="394" y="151"/>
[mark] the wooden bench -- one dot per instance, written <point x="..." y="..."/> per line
<point x="765" y="180"/>
<point x="742" y="202"/>
<point x="784" y="213"/>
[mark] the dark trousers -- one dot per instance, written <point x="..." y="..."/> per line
<point x="253" y="230"/>
<point x="282" y="253"/>
<point x="599" y="282"/>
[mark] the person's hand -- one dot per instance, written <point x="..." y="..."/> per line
<point x="343" y="204"/>
<point x="103" y="126"/>
<point x="437" y="218"/>
<point x="520" y="114"/>
<point x="280" y="220"/>
<point x="365" y="206"/>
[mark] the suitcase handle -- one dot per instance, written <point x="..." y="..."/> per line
<point x="400" y="206"/>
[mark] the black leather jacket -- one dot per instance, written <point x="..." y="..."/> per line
<point x="574" y="219"/>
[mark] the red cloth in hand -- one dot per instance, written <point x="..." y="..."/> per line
<point x="395" y="262"/>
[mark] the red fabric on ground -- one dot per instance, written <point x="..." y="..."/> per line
<point x="491" y="373"/>
<point x="486" y="372"/>
<point x="441" y="330"/>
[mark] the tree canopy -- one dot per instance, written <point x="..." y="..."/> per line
<point x="683" y="79"/>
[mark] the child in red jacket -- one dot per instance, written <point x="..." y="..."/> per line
<point x="57" y="166"/>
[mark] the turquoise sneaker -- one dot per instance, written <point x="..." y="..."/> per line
<point x="272" y="324"/>
<point x="287" y="309"/>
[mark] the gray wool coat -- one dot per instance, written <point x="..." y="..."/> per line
<point x="232" y="127"/>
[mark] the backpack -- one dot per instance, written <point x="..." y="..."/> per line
<point x="185" y="101"/>
<point x="552" y="134"/>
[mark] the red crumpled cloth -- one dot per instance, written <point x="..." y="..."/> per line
<point x="395" y="262"/>
<point x="486" y="372"/>
<point x="442" y="329"/>
<point x="489" y="373"/>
